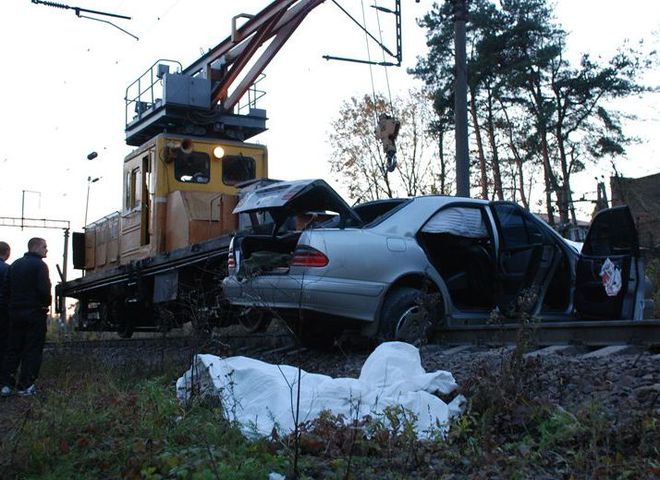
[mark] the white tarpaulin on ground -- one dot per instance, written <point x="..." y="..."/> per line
<point x="261" y="396"/>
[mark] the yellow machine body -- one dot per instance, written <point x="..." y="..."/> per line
<point x="177" y="191"/>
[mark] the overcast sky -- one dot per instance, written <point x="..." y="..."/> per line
<point x="64" y="80"/>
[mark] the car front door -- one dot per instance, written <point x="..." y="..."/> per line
<point x="609" y="269"/>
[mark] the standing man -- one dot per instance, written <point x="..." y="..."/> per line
<point x="29" y="300"/>
<point x="5" y="251"/>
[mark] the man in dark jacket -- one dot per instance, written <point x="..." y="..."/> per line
<point x="29" y="300"/>
<point x="5" y="251"/>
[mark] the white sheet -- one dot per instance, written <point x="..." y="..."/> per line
<point x="261" y="396"/>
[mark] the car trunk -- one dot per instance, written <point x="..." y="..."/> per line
<point x="259" y="254"/>
<point x="293" y="207"/>
<point x="281" y="211"/>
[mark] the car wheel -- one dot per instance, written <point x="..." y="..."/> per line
<point x="407" y="317"/>
<point x="254" y="320"/>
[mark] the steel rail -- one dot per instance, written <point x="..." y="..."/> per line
<point x="645" y="333"/>
<point x="584" y="332"/>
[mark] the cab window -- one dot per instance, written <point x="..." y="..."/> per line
<point x="237" y="169"/>
<point x="132" y="192"/>
<point x="192" y="167"/>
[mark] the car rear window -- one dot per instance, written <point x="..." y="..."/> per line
<point x="394" y="207"/>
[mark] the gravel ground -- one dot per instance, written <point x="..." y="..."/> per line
<point x="620" y="382"/>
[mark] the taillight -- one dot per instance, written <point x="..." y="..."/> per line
<point x="308" y="257"/>
<point x="231" y="261"/>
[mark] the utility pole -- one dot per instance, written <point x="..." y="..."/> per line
<point x="460" y="100"/>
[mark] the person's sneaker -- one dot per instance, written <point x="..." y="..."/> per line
<point x="6" y="391"/>
<point x="30" y="391"/>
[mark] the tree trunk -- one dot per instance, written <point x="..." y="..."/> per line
<point x="516" y="158"/>
<point x="541" y="126"/>
<point x="480" y="146"/>
<point x="497" y="175"/>
<point x="547" y="173"/>
<point x="565" y="187"/>
<point x="443" y="166"/>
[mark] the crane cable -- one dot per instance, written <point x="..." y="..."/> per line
<point x="387" y="77"/>
<point x="371" y="71"/>
<point x="386" y="127"/>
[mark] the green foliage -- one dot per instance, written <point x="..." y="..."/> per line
<point x="92" y="421"/>
<point x="105" y="425"/>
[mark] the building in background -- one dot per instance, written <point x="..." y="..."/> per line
<point x="642" y="195"/>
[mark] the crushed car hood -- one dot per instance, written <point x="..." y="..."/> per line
<point x="282" y="199"/>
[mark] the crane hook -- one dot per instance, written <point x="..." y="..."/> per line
<point x="387" y="131"/>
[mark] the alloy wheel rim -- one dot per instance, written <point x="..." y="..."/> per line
<point x="409" y="325"/>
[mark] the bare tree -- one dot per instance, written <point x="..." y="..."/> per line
<point x="358" y="158"/>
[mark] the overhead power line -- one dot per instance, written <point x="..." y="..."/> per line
<point x="79" y="11"/>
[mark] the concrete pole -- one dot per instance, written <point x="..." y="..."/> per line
<point x="460" y="101"/>
<point x="65" y="260"/>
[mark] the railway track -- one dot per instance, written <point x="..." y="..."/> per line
<point x="277" y="344"/>
<point x="587" y="333"/>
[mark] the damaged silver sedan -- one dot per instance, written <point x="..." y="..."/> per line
<point x="396" y="269"/>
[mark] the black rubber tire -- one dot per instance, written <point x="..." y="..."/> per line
<point x="254" y="320"/>
<point x="404" y="317"/>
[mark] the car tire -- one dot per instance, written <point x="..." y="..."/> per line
<point x="254" y="320"/>
<point x="407" y="317"/>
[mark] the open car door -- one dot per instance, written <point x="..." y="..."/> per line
<point x="609" y="272"/>
<point x="525" y="256"/>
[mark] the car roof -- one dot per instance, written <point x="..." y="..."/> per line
<point x="411" y="216"/>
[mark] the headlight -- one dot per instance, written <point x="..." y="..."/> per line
<point x="218" y="152"/>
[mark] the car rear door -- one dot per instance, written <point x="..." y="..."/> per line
<point x="525" y="254"/>
<point x="609" y="268"/>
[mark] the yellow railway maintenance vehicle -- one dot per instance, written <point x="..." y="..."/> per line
<point x="160" y="260"/>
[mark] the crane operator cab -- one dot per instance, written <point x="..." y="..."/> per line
<point x="177" y="191"/>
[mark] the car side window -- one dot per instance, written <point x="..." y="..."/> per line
<point x="460" y="221"/>
<point x="516" y="228"/>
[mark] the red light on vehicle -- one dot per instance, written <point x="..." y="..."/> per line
<point x="231" y="261"/>
<point x="308" y="257"/>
